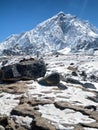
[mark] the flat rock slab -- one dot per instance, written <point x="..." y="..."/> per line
<point x="41" y="123"/>
<point x="25" y="110"/>
<point x="14" y="88"/>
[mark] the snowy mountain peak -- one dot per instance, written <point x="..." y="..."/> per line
<point x="57" y="33"/>
<point x="61" y="14"/>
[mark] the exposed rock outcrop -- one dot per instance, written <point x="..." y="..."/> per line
<point x="24" y="69"/>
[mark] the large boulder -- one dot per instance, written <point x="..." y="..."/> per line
<point x="50" y="80"/>
<point x="24" y="69"/>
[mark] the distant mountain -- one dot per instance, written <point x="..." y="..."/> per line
<point x="57" y="33"/>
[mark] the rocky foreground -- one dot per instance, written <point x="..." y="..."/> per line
<point x="66" y="98"/>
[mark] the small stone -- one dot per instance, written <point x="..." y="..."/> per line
<point x="74" y="73"/>
<point x="72" y="68"/>
<point x="62" y="86"/>
<point x="71" y="63"/>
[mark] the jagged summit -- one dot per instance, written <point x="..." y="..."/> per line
<point x="59" y="32"/>
<point x="61" y="13"/>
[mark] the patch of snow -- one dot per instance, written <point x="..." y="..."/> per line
<point x="8" y="102"/>
<point x="23" y="121"/>
<point x="90" y="128"/>
<point x="65" y="50"/>
<point x="75" y="96"/>
<point x="93" y="34"/>
<point x="65" y="116"/>
<point x="90" y="66"/>
<point x="72" y="94"/>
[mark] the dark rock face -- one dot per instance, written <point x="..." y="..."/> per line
<point x="50" y="80"/>
<point x="25" y="69"/>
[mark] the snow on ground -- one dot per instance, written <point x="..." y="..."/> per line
<point x="74" y="94"/>
<point x="67" y="116"/>
<point x="90" y="67"/>
<point x="90" y="129"/>
<point x="24" y="121"/>
<point x="65" y="50"/>
<point x="7" y="103"/>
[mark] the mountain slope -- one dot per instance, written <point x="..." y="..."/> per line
<point x="56" y="33"/>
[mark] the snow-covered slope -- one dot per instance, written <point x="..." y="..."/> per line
<point x="59" y="32"/>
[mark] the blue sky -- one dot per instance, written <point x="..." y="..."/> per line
<point x="17" y="16"/>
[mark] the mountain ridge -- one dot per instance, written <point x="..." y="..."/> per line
<point x="54" y="34"/>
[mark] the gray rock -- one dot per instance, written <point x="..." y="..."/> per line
<point x="93" y="78"/>
<point x="89" y="85"/>
<point x="50" y="80"/>
<point x="72" y="80"/>
<point x="25" y="69"/>
<point x="74" y="73"/>
<point x="83" y="75"/>
<point x="62" y="86"/>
